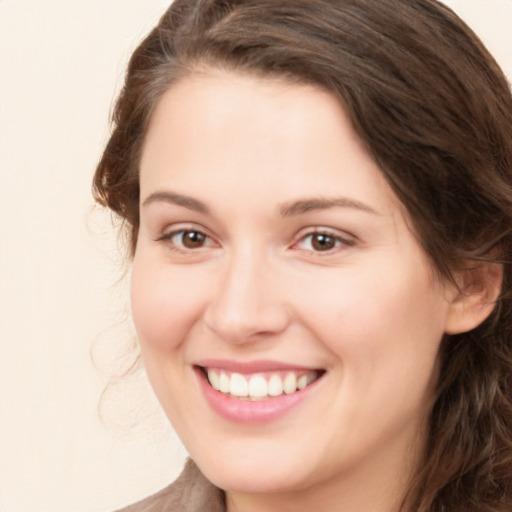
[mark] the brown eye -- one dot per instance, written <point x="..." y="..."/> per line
<point x="322" y="242"/>
<point x="187" y="239"/>
<point x="192" y="239"/>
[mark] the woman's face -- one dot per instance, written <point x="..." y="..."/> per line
<point x="273" y="255"/>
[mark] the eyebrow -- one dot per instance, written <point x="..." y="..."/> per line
<point x="178" y="199"/>
<point x="322" y="203"/>
<point x="298" y="207"/>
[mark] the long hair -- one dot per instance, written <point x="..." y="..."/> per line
<point x="435" y="112"/>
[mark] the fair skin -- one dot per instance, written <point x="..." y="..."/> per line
<point x="269" y="237"/>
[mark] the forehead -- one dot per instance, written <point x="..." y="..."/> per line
<point x="225" y="129"/>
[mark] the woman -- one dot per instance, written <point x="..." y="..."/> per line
<point x="318" y="196"/>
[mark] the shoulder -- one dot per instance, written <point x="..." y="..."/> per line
<point x="191" y="492"/>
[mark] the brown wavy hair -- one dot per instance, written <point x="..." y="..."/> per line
<point x="435" y="112"/>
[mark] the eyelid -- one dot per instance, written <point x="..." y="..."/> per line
<point x="173" y="231"/>
<point x="344" y="239"/>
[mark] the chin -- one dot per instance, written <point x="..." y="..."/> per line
<point x="250" y="476"/>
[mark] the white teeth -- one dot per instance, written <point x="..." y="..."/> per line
<point x="301" y="383"/>
<point x="224" y="383"/>
<point x="290" y="384"/>
<point x="258" y="386"/>
<point x="275" y="386"/>
<point x="213" y="377"/>
<point x="238" y="385"/>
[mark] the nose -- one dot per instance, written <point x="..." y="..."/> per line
<point x="247" y="303"/>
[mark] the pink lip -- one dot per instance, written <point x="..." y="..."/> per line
<point x="251" y="412"/>
<point x="250" y="366"/>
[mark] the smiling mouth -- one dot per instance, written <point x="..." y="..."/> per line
<point x="259" y="386"/>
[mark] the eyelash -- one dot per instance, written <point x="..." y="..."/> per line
<point x="168" y="237"/>
<point x="332" y="238"/>
<point x="339" y="241"/>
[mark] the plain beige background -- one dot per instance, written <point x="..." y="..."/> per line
<point x="62" y="296"/>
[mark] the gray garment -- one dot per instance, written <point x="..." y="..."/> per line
<point x="191" y="492"/>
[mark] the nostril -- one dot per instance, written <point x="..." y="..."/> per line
<point x="246" y="326"/>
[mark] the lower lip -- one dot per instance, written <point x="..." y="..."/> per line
<point x="251" y="412"/>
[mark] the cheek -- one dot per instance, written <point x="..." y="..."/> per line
<point x="381" y="325"/>
<point x="165" y="304"/>
<point x="384" y="334"/>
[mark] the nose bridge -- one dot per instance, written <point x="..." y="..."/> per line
<point x="247" y="303"/>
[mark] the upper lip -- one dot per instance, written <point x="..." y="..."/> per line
<point x="251" y="366"/>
